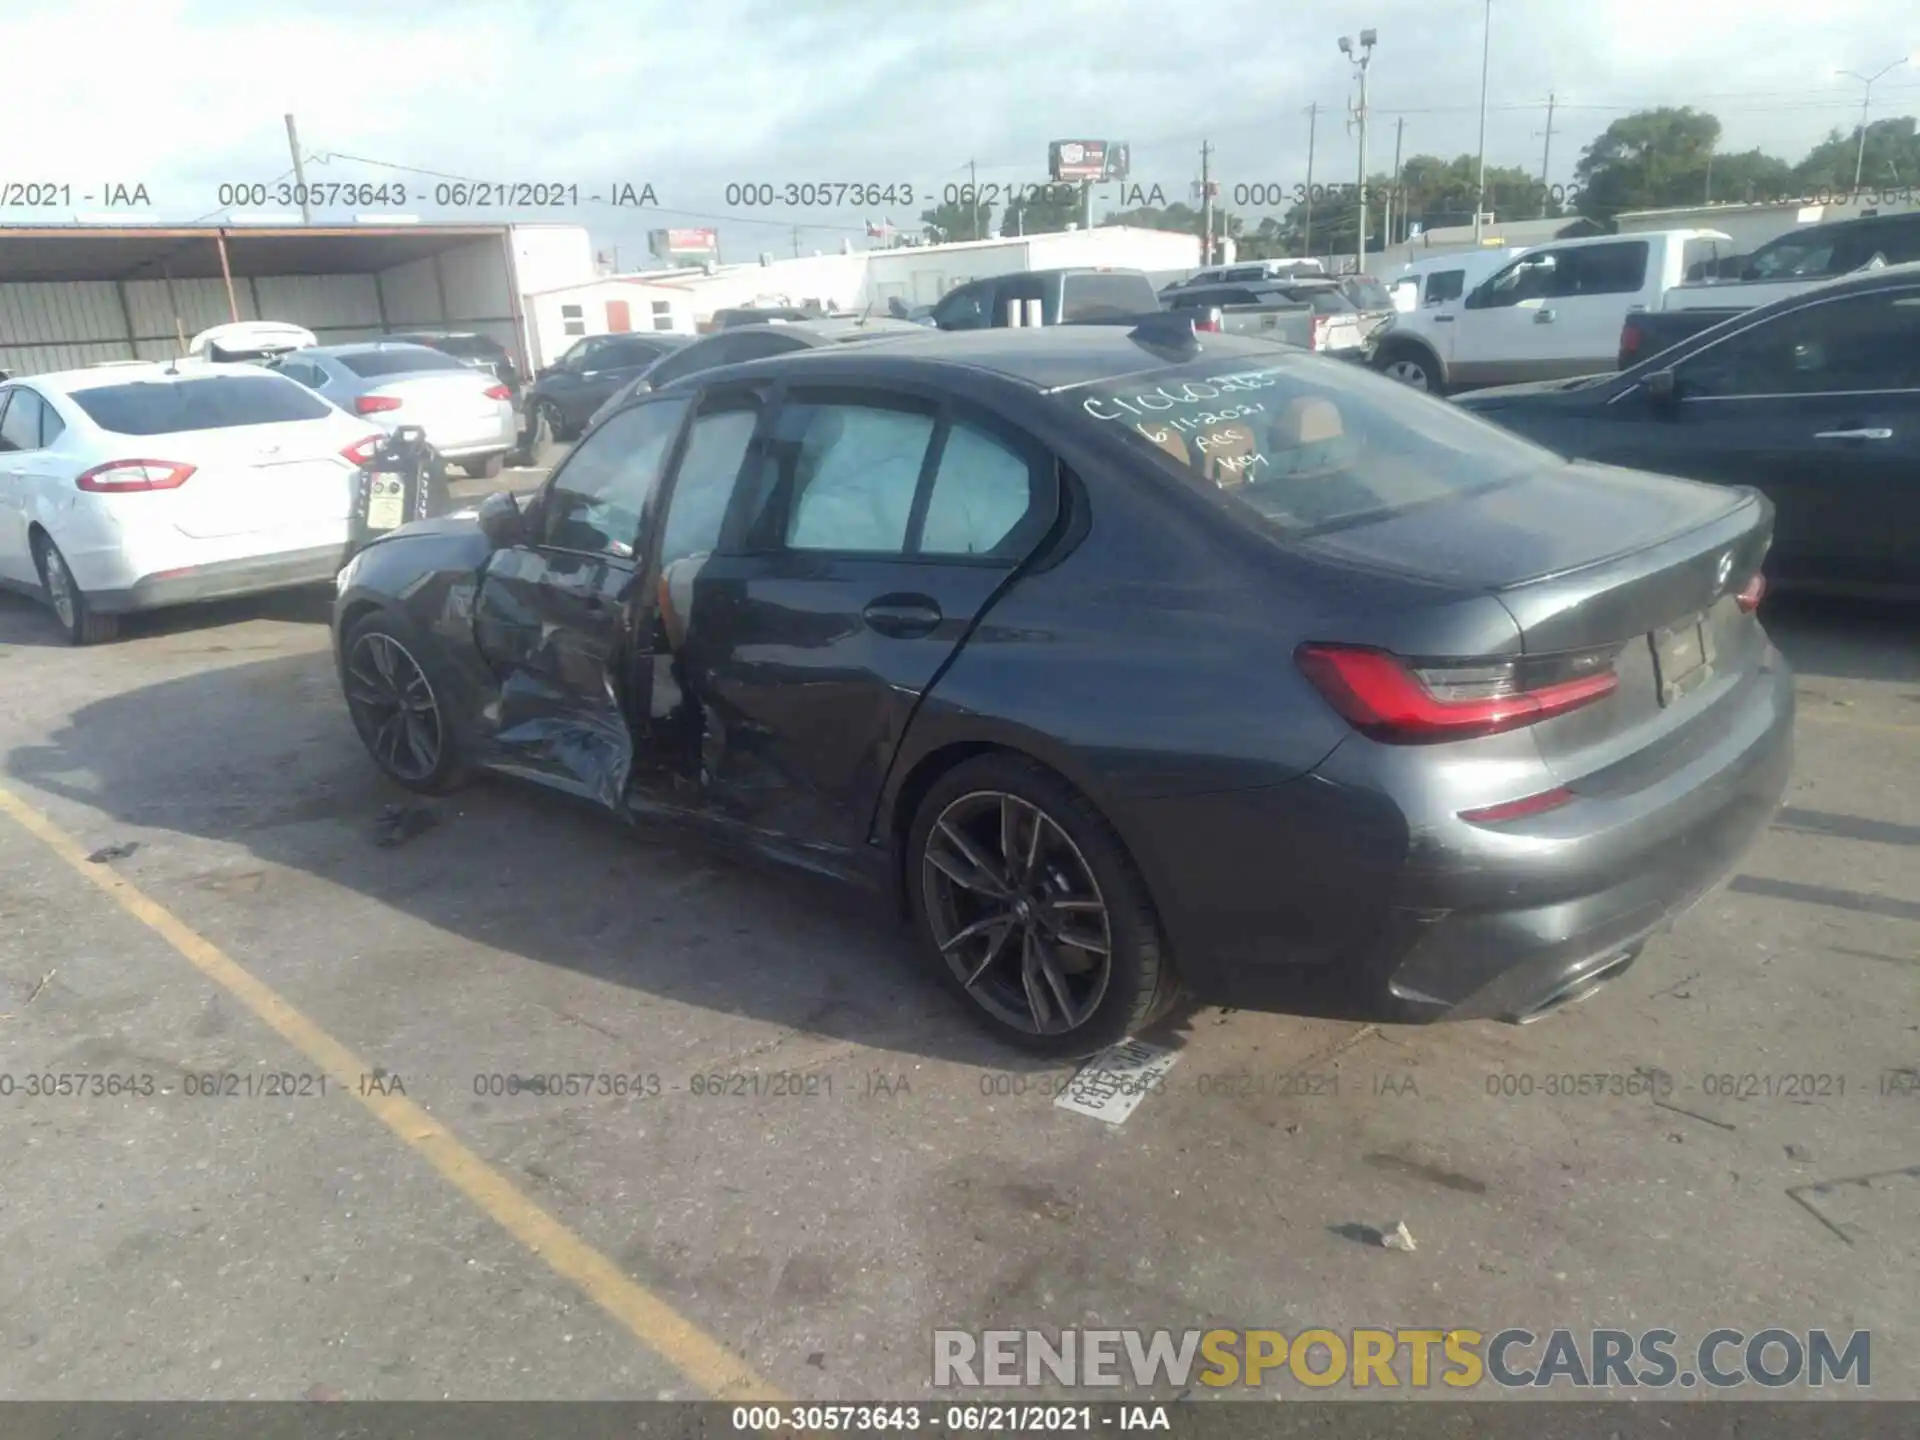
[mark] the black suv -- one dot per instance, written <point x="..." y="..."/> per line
<point x="481" y="352"/>
<point x="565" y="394"/>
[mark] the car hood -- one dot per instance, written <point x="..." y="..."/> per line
<point x="462" y="522"/>
<point x="1497" y="396"/>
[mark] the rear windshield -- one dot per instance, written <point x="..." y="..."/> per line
<point x="1101" y="297"/>
<point x="1325" y="302"/>
<point x="1298" y="445"/>
<point x="408" y="361"/>
<point x="1369" y="294"/>
<point x="468" y="347"/>
<point x="215" y="402"/>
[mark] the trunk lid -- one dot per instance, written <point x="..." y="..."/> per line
<point x="260" y="478"/>
<point x="1593" y="558"/>
<point x="452" y="406"/>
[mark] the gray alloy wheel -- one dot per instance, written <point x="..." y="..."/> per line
<point x="69" y="603"/>
<point x="394" y="708"/>
<point x="1017" y="913"/>
<point x="1409" y="367"/>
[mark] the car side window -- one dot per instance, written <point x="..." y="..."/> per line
<point x="20" y="426"/>
<point x="311" y="376"/>
<point x="595" y="500"/>
<point x="1601" y="270"/>
<point x="1864" y="342"/>
<point x="964" y="309"/>
<point x="51" y="425"/>
<point x="982" y="490"/>
<point x="855" y="473"/>
<point x="1445" y="285"/>
<point x="710" y="466"/>
<point x="1531" y="277"/>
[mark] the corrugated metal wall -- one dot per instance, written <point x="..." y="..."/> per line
<point x="64" y="325"/>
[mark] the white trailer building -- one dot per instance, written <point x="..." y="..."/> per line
<point x="73" y="295"/>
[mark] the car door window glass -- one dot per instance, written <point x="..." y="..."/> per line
<point x="20" y="426"/>
<point x="1600" y="270"/>
<point x="51" y="425"/>
<point x="1532" y="277"/>
<point x="596" y="498"/>
<point x="716" y="450"/>
<point x="1444" y="285"/>
<point x="854" y="477"/>
<point x="982" y="490"/>
<point x="1865" y="342"/>
<point x="963" y="310"/>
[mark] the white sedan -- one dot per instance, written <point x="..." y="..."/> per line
<point x="132" y="487"/>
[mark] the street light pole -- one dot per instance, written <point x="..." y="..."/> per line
<point x="1480" y="185"/>
<point x="1866" y="98"/>
<point x="1362" y="58"/>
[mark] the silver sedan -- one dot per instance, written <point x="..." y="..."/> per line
<point x="467" y="414"/>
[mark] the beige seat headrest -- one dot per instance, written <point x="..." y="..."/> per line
<point x="1308" y="420"/>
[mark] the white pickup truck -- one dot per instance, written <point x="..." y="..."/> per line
<point x="1554" y="311"/>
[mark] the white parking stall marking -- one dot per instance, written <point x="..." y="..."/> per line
<point x="1110" y="1086"/>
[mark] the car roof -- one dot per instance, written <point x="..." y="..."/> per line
<point x="66" y="382"/>
<point x="361" y="347"/>
<point x="1043" y="358"/>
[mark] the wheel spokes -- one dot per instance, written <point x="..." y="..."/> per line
<point x="395" y="702"/>
<point x="1005" y="883"/>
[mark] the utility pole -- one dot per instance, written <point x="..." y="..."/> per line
<point x="1206" y="203"/>
<point x="1546" y="160"/>
<point x="1480" y="185"/>
<point x="299" y="172"/>
<point x="1362" y="58"/>
<point x="973" y="202"/>
<point x="796" y="242"/>
<point x="1306" y="243"/>
<point x="1866" y="99"/>
<point x="1386" y="225"/>
<point x="1086" y="205"/>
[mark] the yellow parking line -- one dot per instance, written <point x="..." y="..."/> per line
<point x="654" y="1323"/>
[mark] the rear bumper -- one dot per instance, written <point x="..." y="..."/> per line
<point x="1329" y="893"/>
<point x="221" y="579"/>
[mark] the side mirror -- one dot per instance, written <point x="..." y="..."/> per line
<point x="501" y="521"/>
<point x="1663" y="390"/>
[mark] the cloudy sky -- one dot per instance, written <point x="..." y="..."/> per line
<point x="183" y="95"/>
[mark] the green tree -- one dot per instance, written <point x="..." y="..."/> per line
<point x="1746" y="175"/>
<point x="1647" y="160"/>
<point x="955" y="220"/>
<point x="1040" y="212"/>
<point x="1892" y="158"/>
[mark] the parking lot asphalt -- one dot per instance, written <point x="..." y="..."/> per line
<point x="413" y="1234"/>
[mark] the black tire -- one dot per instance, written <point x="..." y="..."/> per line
<point x="484" y="469"/>
<point x="1139" y="984"/>
<point x="450" y="765"/>
<point x="550" y="425"/>
<point x="1411" y="365"/>
<point x="68" y="602"/>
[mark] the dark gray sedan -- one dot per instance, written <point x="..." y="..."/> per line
<point x="1129" y="661"/>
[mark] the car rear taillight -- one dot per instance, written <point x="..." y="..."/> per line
<point x="361" y="452"/>
<point x="374" y="404"/>
<point x="123" y="477"/>
<point x="1749" y="595"/>
<point x="498" y="392"/>
<point x="1630" y="339"/>
<point x="1418" y="702"/>
<point x="1318" y="333"/>
<point x="1208" y="321"/>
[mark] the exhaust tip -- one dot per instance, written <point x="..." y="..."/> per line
<point x="1573" y="991"/>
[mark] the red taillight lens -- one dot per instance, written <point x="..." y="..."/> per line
<point x="1519" y="809"/>
<point x="1208" y="321"/>
<point x="1630" y="338"/>
<point x="1749" y="596"/>
<point x="363" y="451"/>
<point x="374" y="404"/>
<point x="123" y="477"/>
<point x="498" y="392"/>
<point x="1419" y="702"/>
